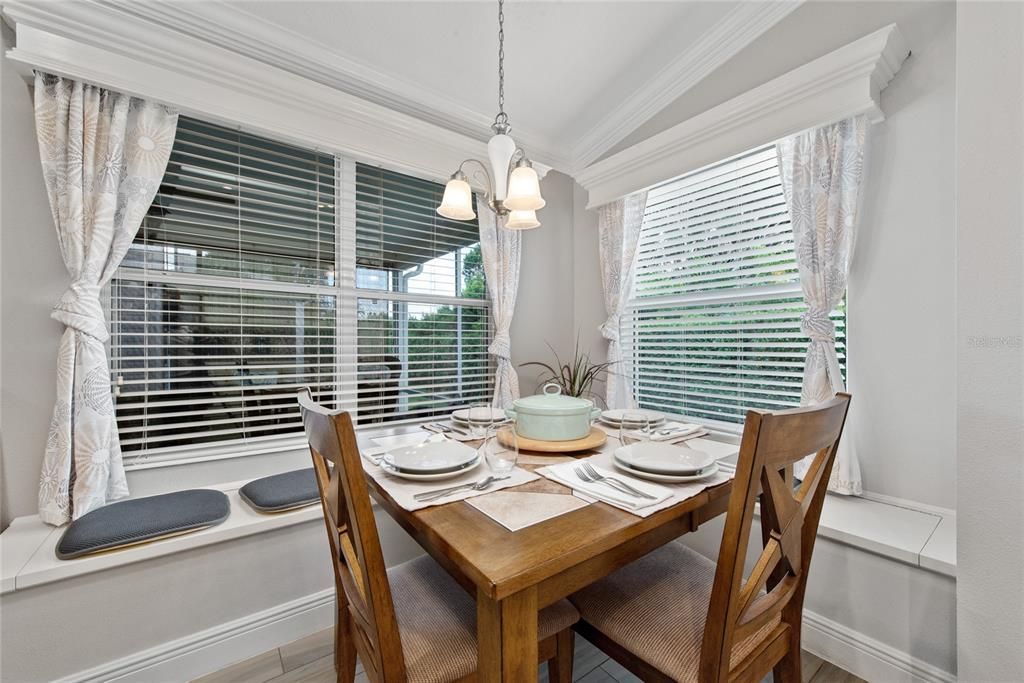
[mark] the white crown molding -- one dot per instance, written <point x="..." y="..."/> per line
<point x="843" y="83"/>
<point x="247" y="34"/>
<point x="101" y="45"/>
<point x="740" y="27"/>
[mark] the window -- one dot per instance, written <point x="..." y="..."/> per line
<point x="239" y="290"/>
<point x="713" y="326"/>
<point x="423" y="318"/>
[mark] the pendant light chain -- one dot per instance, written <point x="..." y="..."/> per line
<point x="501" y="120"/>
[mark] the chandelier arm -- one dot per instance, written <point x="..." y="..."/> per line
<point x="489" y="194"/>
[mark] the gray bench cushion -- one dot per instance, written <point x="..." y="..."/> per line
<point x="143" y="519"/>
<point x="282" y="492"/>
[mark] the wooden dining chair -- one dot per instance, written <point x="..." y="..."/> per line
<point x="674" y="615"/>
<point x="412" y="622"/>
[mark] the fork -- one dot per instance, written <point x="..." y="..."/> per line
<point x="587" y="473"/>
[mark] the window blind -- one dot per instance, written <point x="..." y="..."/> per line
<point x="262" y="268"/>
<point x="713" y="326"/>
<point x="225" y="304"/>
<point x="423" y="320"/>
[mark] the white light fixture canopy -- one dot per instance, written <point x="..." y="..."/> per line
<point x="522" y="220"/>
<point x="457" y="202"/>
<point x="513" y="188"/>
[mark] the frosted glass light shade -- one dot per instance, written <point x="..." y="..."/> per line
<point x="524" y="190"/>
<point x="457" y="202"/>
<point x="522" y="220"/>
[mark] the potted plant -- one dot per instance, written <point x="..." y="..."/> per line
<point x="576" y="377"/>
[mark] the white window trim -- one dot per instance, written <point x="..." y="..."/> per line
<point x="843" y="83"/>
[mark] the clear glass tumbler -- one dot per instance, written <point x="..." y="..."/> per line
<point x="481" y="420"/>
<point x="501" y="454"/>
<point x="634" y="428"/>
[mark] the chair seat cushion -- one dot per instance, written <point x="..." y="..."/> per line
<point x="656" y="607"/>
<point x="437" y="621"/>
<point x="282" y="492"/>
<point x="130" y="522"/>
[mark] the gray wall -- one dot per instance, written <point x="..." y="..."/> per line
<point x="901" y="293"/>
<point x="990" y="353"/>
<point x="544" y="302"/>
<point x="32" y="278"/>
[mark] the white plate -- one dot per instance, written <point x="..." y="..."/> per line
<point x="436" y="476"/>
<point x="492" y="414"/>
<point x="667" y="478"/>
<point x="431" y="456"/>
<point x="664" y="458"/>
<point x="615" y="416"/>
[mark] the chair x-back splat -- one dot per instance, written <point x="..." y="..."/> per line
<point x="774" y="590"/>
<point x="365" y="622"/>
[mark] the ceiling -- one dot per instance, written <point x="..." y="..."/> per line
<point x="579" y="77"/>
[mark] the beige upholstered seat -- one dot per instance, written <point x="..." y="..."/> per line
<point x="437" y="621"/>
<point x="655" y="608"/>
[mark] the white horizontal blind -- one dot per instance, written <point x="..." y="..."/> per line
<point x="713" y="327"/>
<point x="423" y="319"/>
<point x="226" y="303"/>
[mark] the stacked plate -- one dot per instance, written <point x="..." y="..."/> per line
<point x="659" y="461"/>
<point x="613" y="418"/>
<point x="479" y="414"/>
<point x="430" y="460"/>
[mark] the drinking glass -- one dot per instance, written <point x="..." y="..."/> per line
<point x="634" y="428"/>
<point x="481" y="420"/>
<point x="501" y="457"/>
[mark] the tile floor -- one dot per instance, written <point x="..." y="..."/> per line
<point x="310" y="660"/>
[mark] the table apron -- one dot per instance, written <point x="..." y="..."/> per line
<point x="579" y="576"/>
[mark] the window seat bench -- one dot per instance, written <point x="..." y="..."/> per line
<point x="912" y="536"/>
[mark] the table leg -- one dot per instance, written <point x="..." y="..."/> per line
<point x="507" y="638"/>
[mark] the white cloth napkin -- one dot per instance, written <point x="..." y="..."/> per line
<point x="680" y="431"/>
<point x="404" y="490"/>
<point x="677" y="492"/>
<point x="565" y="473"/>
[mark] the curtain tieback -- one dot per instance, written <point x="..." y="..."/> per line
<point x="79" y="308"/>
<point x="610" y="328"/>
<point x="816" y="324"/>
<point x="501" y="345"/>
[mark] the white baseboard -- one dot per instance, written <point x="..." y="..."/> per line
<point x="217" y="647"/>
<point x="866" y="657"/>
<point x="220" y="646"/>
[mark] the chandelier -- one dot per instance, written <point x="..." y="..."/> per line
<point x="513" y="188"/>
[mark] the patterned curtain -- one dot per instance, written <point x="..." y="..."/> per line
<point x="618" y="225"/>
<point x="501" y="250"/>
<point x="822" y="171"/>
<point x="103" y="157"/>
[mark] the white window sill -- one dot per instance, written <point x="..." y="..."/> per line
<point x="899" y="530"/>
<point x="28" y="546"/>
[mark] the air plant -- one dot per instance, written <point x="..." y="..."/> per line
<point x="575" y="378"/>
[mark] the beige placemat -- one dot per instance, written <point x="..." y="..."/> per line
<point x="519" y="509"/>
<point x="679" y="492"/>
<point x="403" y="491"/>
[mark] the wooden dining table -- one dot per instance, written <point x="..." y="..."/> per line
<point x="513" y="574"/>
